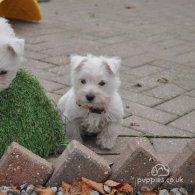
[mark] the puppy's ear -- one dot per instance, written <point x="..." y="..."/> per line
<point x="76" y="61"/>
<point x="113" y="64"/>
<point x="16" y="46"/>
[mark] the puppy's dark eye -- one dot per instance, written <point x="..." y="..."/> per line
<point x="101" y="83"/>
<point x="2" y="72"/>
<point x="83" y="81"/>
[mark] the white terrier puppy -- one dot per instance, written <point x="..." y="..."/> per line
<point x="93" y="105"/>
<point x="11" y="53"/>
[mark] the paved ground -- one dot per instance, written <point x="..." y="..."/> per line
<point x="156" y="42"/>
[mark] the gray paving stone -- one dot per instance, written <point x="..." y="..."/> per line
<point x="48" y="75"/>
<point x="50" y="86"/>
<point x="130" y="132"/>
<point x="139" y="98"/>
<point x="186" y="122"/>
<point x="179" y="105"/>
<point x="35" y="55"/>
<point x="167" y="148"/>
<point x="154" y="129"/>
<point x="125" y="50"/>
<point x="191" y="93"/>
<point x="78" y="161"/>
<point x="165" y="91"/>
<point x="145" y="70"/>
<point x="36" y="64"/>
<point x="61" y="70"/>
<point x="184" y="58"/>
<point x="151" y="81"/>
<point x="73" y="45"/>
<point x="185" y="83"/>
<point x="138" y="60"/>
<point x="59" y="60"/>
<point x="149" y="113"/>
<point x="165" y="63"/>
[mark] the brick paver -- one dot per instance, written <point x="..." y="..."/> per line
<point x="156" y="42"/>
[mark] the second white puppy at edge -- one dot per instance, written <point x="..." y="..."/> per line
<point x="11" y="53"/>
<point x="93" y="105"/>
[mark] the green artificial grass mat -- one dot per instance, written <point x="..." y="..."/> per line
<point x="30" y="118"/>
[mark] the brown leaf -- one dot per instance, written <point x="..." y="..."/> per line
<point x="134" y="124"/>
<point x="111" y="183"/>
<point x="125" y="188"/>
<point x="163" y="80"/>
<point x="85" y="190"/>
<point x="94" y="185"/>
<point x="44" y="191"/>
<point x="128" y="7"/>
<point x="76" y="188"/>
<point x="2" y="193"/>
<point x="137" y="85"/>
<point x="66" y="186"/>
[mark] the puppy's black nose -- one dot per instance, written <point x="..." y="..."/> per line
<point x="90" y="97"/>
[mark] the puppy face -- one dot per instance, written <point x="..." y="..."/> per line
<point x="11" y="56"/>
<point x="94" y="79"/>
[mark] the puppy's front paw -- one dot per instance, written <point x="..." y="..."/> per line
<point x="105" y="143"/>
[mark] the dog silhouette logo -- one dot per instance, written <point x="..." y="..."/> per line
<point x="160" y="170"/>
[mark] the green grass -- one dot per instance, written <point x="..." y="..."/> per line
<point x="28" y="117"/>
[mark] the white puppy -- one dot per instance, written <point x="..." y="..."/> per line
<point x="11" y="53"/>
<point x="93" y="105"/>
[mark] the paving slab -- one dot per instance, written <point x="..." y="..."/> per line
<point x="179" y="105"/>
<point x="139" y="98"/>
<point x="18" y="165"/>
<point x="185" y="122"/>
<point x="78" y="161"/>
<point x="149" y="113"/>
<point x="165" y="92"/>
<point x="135" y="165"/>
<point x="168" y="148"/>
<point x="154" y="129"/>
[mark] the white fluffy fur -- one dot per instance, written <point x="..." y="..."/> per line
<point x="11" y="53"/>
<point x="79" y="120"/>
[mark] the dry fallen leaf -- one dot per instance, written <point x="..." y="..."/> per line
<point x="85" y="190"/>
<point x="125" y="188"/>
<point x="66" y="186"/>
<point x="137" y="85"/>
<point x="94" y="185"/>
<point x="45" y="191"/>
<point x="163" y="80"/>
<point x="134" y="124"/>
<point x="111" y="183"/>
<point x="128" y="7"/>
<point x="76" y="188"/>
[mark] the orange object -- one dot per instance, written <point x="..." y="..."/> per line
<point x="20" y="9"/>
